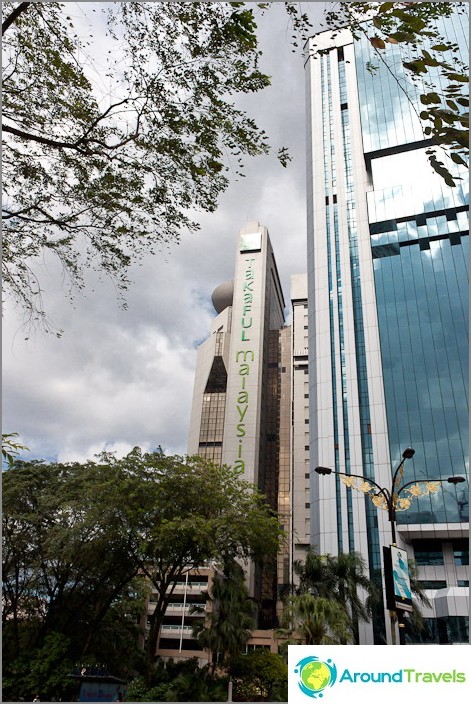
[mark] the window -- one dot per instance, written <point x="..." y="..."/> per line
<point x="461" y="552"/>
<point x="428" y="552"/>
<point x="433" y="583"/>
<point x="463" y="582"/>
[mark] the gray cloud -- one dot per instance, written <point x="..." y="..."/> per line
<point x="118" y="378"/>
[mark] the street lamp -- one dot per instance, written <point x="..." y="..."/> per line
<point x="391" y="500"/>
<point x="397" y="498"/>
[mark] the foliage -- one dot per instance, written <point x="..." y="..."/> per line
<point x="426" y="54"/>
<point x="178" y="681"/>
<point x="315" y="620"/>
<point x="44" y="670"/>
<point x="227" y="626"/>
<point x="64" y="552"/>
<point x="101" y="177"/>
<point x="82" y="542"/>
<point x="341" y="578"/>
<point x="190" y="511"/>
<point x="11" y="448"/>
<point x="259" y="675"/>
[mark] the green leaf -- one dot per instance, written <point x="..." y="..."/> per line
<point x="458" y="159"/>
<point x="417" y="66"/>
<point x="430" y="98"/>
<point x="460" y="77"/>
<point x="386" y="6"/>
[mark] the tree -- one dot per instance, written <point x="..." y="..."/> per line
<point x="341" y="578"/>
<point x="259" y="675"/>
<point x="315" y="620"/>
<point x="227" y="627"/>
<point x="99" y="179"/>
<point x="66" y="560"/>
<point x="190" y="511"/>
<point x="427" y="54"/>
<point x="78" y="536"/>
<point x="67" y="575"/>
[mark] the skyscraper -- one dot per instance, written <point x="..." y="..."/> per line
<point x="388" y="323"/>
<point x="250" y="401"/>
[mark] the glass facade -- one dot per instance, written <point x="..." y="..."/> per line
<point x="419" y="230"/>
<point x="388" y="294"/>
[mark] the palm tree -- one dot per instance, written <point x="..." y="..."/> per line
<point x="341" y="578"/>
<point x="228" y="626"/>
<point x="314" y="620"/>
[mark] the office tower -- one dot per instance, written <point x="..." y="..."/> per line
<point x="244" y="405"/>
<point x="235" y="414"/>
<point x="388" y="323"/>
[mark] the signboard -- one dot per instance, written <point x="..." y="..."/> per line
<point x="397" y="580"/>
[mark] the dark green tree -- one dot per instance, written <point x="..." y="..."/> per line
<point x="65" y="557"/>
<point x="259" y="676"/>
<point x="78" y="536"/>
<point x="190" y="511"/>
<point x="315" y="620"/>
<point x="342" y="578"/>
<point x="226" y="629"/>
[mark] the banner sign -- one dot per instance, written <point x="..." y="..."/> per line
<point x="370" y="674"/>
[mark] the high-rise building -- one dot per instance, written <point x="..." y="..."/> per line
<point x="250" y="401"/>
<point x="388" y="323"/>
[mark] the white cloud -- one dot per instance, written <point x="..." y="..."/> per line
<point x="117" y="378"/>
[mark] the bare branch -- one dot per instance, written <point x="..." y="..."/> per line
<point x="16" y="12"/>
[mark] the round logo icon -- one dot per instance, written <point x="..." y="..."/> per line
<point x="315" y="675"/>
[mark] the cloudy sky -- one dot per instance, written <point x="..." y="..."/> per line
<point x="117" y="379"/>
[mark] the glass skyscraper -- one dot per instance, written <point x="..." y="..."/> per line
<point x="388" y="323"/>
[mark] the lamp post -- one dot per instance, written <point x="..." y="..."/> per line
<point x="393" y="499"/>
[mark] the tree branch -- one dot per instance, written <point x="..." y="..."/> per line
<point x="16" y="12"/>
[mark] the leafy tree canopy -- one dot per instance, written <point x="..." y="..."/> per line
<point x="100" y="176"/>
<point x="259" y="675"/>
<point x="84" y="543"/>
<point x="226" y="628"/>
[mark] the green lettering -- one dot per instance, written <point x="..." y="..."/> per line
<point x="249" y="325"/>
<point x="244" y="369"/>
<point x="447" y="677"/>
<point x="244" y="355"/>
<point x="240" y="430"/>
<point x="239" y="464"/>
<point x="248" y="298"/>
<point x="428" y="677"/>
<point x="242" y="412"/>
<point x="243" y="338"/>
<point x="243" y="397"/>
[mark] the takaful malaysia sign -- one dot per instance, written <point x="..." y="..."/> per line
<point x="371" y="674"/>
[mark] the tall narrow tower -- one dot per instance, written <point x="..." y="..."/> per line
<point x="236" y="404"/>
<point x="388" y="322"/>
